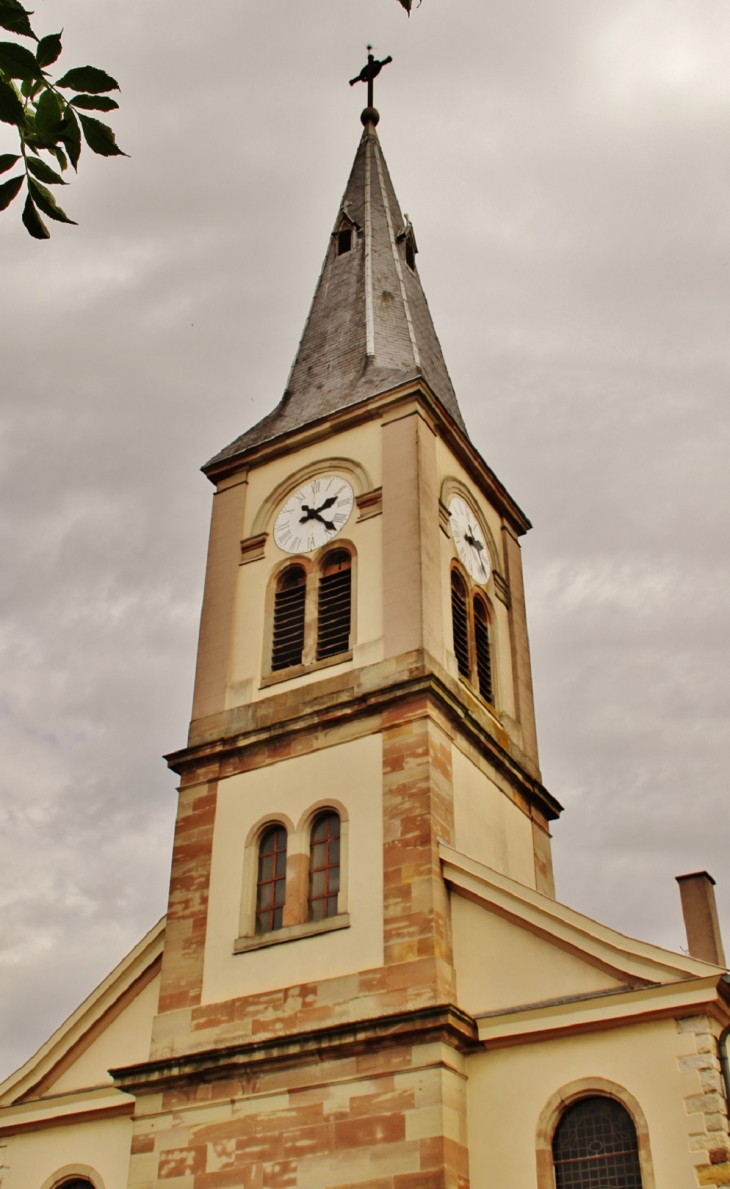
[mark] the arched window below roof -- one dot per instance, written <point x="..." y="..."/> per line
<point x="289" y="603"/>
<point x="334" y="604"/>
<point x="595" y="1146"/>
<point x="483" y="650"/>
<point x="460" y="623"/>
<point x="271" y="880"/>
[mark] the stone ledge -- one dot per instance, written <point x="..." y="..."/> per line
<point x="244" y="945"/>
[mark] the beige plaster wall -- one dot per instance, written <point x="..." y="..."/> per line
<point x="508" y="1089"/>
<point x="363" y="446"/>
<point x="499" y="965"/>
<point x="488" y="826"/>
<point x="351" y="774"/>
<point x="124" y="1042"/>
<point x="31" y="1159"/>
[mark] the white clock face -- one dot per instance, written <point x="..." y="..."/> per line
<point x="469" y="540"/>
<point x="315" y="514"/>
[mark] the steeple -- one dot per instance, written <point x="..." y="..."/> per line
<point x="369" y="329"/>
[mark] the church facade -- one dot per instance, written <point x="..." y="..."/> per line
<point x="364" y="978"/>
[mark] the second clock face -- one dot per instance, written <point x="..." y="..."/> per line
<point x="315" y="514"/>
<point x="469" y="540"/>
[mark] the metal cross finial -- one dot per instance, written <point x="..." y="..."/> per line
<point x="369" y="73"/>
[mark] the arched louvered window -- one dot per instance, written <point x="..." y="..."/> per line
<point x="334" y="610"/>
<point x="289" y="601"/>
<point x="271" y="881"/>
<point x="482" y="649"/>
<point x="595" y="1145"/>
<point x="324" y="866"/>
<point x="460" y="623"/>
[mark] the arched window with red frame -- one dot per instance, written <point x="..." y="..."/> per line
<point x="271" y="879"/>
<point x="324" y="866"/>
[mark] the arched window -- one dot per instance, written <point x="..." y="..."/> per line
<point x="482" y="649"/>
<point x="460" y="622"/>
<point x="334" y="609"/>
<point x="324" y="866"/>
<point x="271" y="881"/>
<point x="75" y="1183"/>
<point x="288" y="635"/>
<point x="595" y="1145"/>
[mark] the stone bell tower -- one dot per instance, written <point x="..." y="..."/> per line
<point x="363" y="696"/>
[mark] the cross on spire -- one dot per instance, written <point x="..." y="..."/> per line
<point x="369" y="73"/>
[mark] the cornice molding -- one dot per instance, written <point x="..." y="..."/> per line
<point x="441" y="1022"/>
<point x="374" y="408"/>
<point x="216" y="743"/>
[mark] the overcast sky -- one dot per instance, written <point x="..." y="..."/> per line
<point x="566" y="165"/>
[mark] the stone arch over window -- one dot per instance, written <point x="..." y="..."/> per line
<point x="356" y="474"/>
<point x="334" y="603"/>
<point x="324" y="865"/>
<point x="74" y="1176"/>
<point x="248" y="918"/>
<point x="288" y="621"/>
<point x="271" y="878"/>
<point x="552" y="1119"/>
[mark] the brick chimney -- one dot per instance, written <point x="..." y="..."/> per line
<point x="699" y="910"/>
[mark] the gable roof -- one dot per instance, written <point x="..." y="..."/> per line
<point x="369" y="329"/>
<point x="621" y="957"/>
<point x="99" y="1008"/>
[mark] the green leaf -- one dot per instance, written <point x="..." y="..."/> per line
<point x="15" y="18"/>
<point x="8" y="190"/>
<point x="94" y="102"/>
<point x="43" y="172"/>
<point x="33" y="222"/>
<point x="49" y="49"/>
<point x="30" y="87"/>
<point x="11" y="109"/>
<point x="100" y="138"/>
<point x="48" y="115"/>
<point x="7" y="161"/>
<point x="60" y="156"/>
<point x="88" y="78"/>
<point x="407" y="4"/>
<point x="45" y="200"/>
<point x="70" y="135"/>
<point x="18" y="62"/>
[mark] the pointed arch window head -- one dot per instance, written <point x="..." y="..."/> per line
<point x="289" y="604"/>
<point x="334" y="609"/>
<point x="271" y="881"/>
<point x="324" y="866"/>
<point x="595" y="1144"/>
<point x="460" y="623"/>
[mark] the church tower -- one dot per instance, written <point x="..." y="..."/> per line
<point x="362" y="697"/>
<point x="364" y="980"/>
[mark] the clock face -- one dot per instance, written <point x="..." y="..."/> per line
<point x="469" y="540"/>
<point x="314" y="514"/>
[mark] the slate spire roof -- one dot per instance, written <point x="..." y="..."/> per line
<point x="369" y="327"/>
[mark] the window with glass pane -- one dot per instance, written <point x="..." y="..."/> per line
<point x="324" y="867"/>
<point x="271" y="883"/>
<point x="596" y="1147"/>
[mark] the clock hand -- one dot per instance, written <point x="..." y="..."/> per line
<point x="314" y="514"/>
<point x="327" y="503"/>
